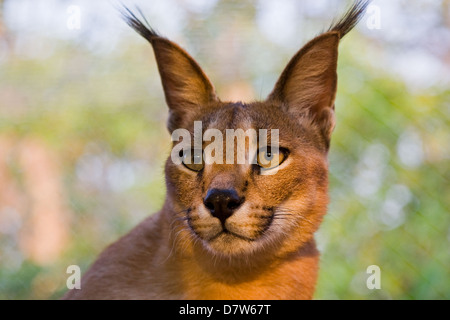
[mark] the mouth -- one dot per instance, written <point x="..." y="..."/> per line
<point x="233" y="237"/>
<point x="227" y="234"/>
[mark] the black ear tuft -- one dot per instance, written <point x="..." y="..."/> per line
<point x="351" y="18"/>
<point x="143" y="28"/>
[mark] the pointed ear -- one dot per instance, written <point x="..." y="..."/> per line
<point x="307" y="86"/>
<point x="187" y="89"/>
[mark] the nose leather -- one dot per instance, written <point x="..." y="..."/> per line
<point x="222" y="203"/>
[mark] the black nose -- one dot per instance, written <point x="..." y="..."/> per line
<point x="222" y="203"/>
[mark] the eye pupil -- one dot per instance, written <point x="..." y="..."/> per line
<point x="268" y="159"/>
<point x="197" y="159"/>
<point x="194" y="160"/>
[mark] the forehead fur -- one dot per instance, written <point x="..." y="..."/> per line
<point x="262" y="115"/>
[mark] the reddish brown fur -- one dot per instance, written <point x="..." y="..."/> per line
<point x="175" y="254"/>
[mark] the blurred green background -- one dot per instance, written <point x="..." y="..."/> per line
<point x="83" y="138"/>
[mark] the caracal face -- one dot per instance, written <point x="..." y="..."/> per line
<point x="265" y="206"/>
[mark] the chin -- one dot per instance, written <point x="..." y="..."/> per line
<point x="231" y="245"/>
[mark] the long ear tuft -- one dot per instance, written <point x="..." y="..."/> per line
<point x="351" y="18"/>
<point x="144" y="29"/>
<point x="187" y="89"/>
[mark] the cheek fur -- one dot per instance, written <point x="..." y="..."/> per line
<point x="182" y="186"/>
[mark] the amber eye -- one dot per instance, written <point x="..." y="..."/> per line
<point x="268" y="158"/>
<point x="193" y="160"/>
